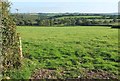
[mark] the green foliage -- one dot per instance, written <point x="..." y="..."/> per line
<point x="64" y="20"/>
<point x="10" y="41"/>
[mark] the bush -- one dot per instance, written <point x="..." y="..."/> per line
<point x="117" y="26"/>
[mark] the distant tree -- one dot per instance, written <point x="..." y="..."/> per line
<point x="106" y="22"/>
<point x="51" y="22"/>
<point x="79" y="22"/>
<point x="17" y="10"/>
<point x="114" y="19"/>
<point x="21" y="23"/>
<point x="73" y="22"/>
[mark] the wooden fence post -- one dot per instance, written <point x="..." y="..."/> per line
<point x="20" y="45"/>
<point x="20" y="48"/>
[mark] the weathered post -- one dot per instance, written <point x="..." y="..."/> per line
<point x="21" y="55"/>
<point x="20" y="46"/>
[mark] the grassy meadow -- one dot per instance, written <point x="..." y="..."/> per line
<point x="79" y="17"/>
<point x="69" y="49"/>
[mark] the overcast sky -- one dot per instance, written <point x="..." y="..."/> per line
<point x="62" y="6"/>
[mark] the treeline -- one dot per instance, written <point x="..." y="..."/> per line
<point x="70" y="20"/>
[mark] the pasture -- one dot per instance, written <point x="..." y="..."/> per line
<point x="69" y="49"/>
<point x="79" y="17"/>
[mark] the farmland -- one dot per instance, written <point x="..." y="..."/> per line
<point x="65" y="19"/>
<point x="68" y="50"/>
<point x="79" y="17"/>
<point x="44" y="44"/>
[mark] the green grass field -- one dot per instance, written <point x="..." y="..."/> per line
<point x="69" y="49"/>
<point x="79" y="17"/>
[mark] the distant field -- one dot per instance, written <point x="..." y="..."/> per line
<point x="79" y="17"/>
<point x="69" y="49"/>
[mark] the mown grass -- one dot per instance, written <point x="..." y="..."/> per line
<point x="69" y="49"/>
